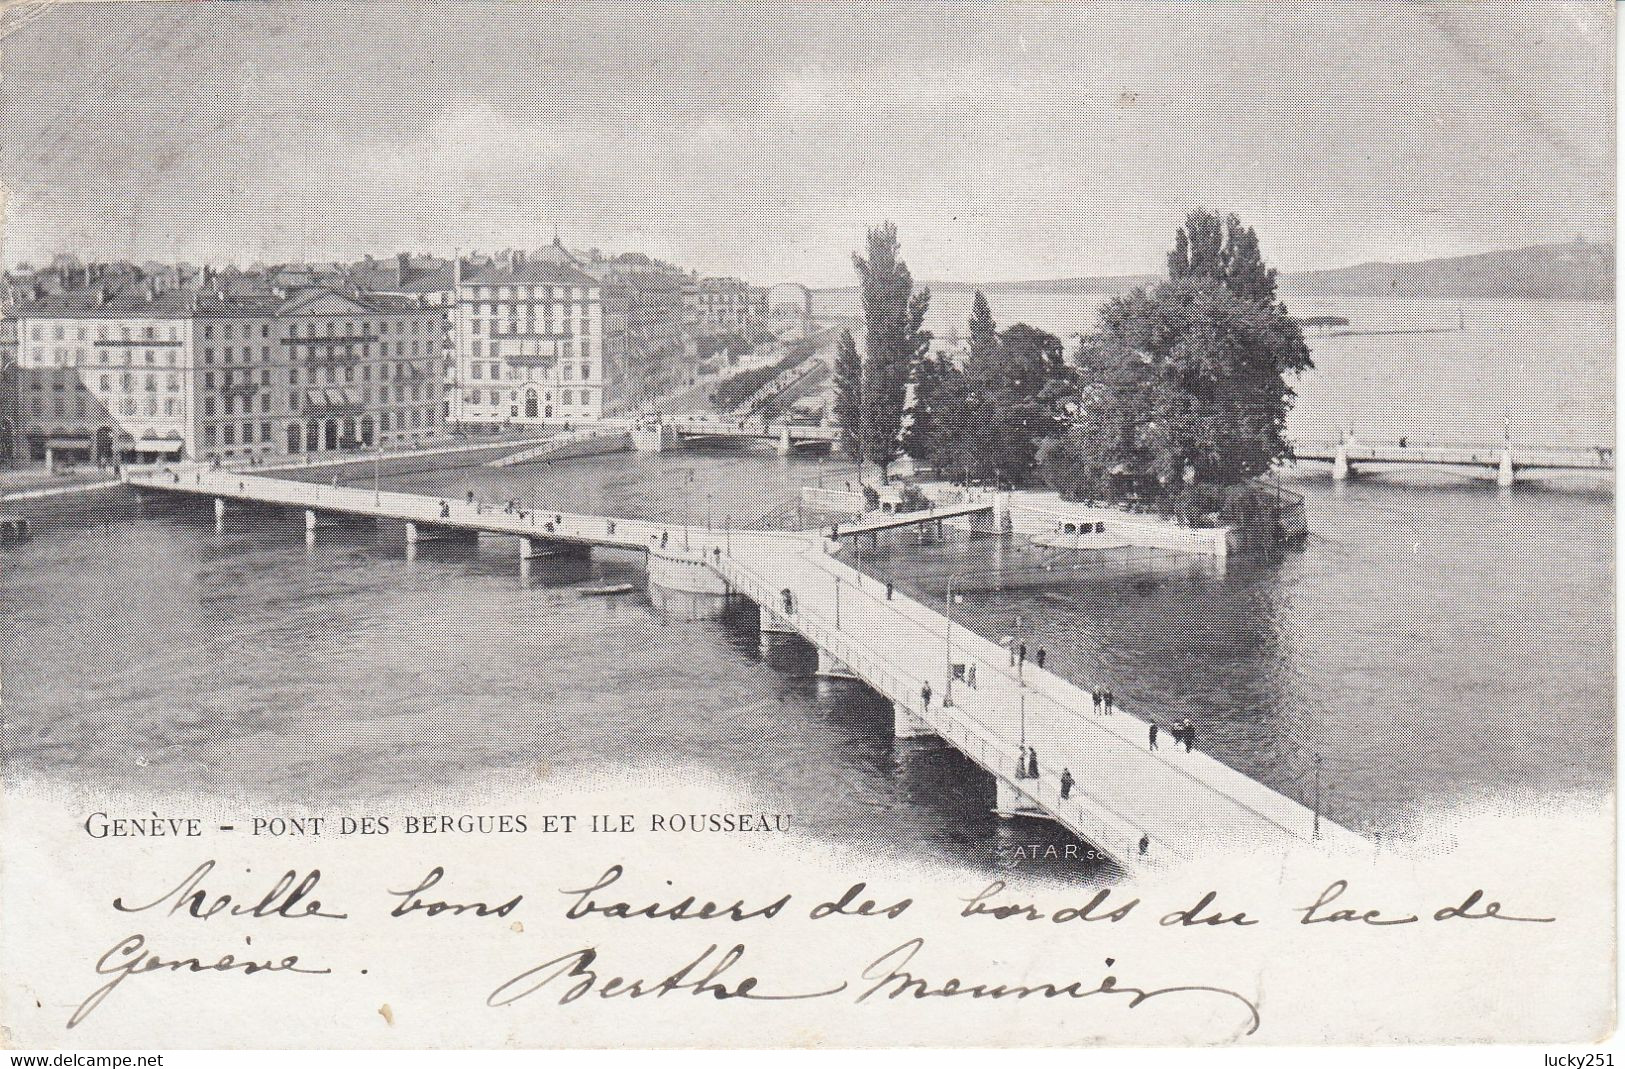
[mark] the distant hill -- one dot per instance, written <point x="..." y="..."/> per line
<point x="1578" y="272"/>
<point x="1574" y="272"/>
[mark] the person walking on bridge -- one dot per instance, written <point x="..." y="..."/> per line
<point x="1097" y="701"/>
<point x="1021" y="764"/>
<point x="1190" y="735"/>
<point x="1153" y="734"/>
<point x="1066" y="783"/>
<point x="1107" y="699"/>
<point x="925" y="696"/>
<point x="1041" y="655"/>
<point x="1032" y="762"/>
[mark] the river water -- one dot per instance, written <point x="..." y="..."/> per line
<point x="1437" y="642"/>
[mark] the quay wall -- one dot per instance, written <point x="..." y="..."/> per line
<point x="1033" y="513"/>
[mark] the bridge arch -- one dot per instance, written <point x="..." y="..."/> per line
<point x="789" y="300"/>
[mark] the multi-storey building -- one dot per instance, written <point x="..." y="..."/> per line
<point x="131" y="373"/>
<point x="725" y="304"/>
<point x="530" y="342"/>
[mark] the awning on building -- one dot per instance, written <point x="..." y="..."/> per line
<point x="158" y="445"/>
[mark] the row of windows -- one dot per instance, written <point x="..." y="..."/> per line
<point x="104" y="333"/>
<point x="77" y="356"/>
<point x="547" y="348"/>
<point x="313" y="434"/>
<point x="329" y="329"/>
<point x="314" y="377"/>
<point x="566" y="397"/>
<point x="528" y="293"/>
<point x="245" y="403"/>
<point x="494" y="371"/>
<point x="494" y="326"/>
<point x="128" y="406"/>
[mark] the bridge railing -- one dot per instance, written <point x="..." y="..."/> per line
<point x="1049" y="695"/>
<point x="1102" y="825"/>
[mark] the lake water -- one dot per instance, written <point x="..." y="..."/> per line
<point x="1437" y="642"/>
<point x="1542" y="369"/>
<point x="1438" y="645"/>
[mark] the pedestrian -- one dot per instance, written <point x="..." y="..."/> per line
<point x="1097" y="701"/>
<point x="1021" y="657"/>
<point x="925" y="697"/>
<point x="1108" y="702"/>
<point x="1153" y="734"/>
<point x="445" y="510"/>
<point x="1066" y="783"/>
<point x="471" y="497"/>
<point x="1190" y="736"/>
<point x="888" y="590"/>
<point x="663" y="537"/>
<point x="1032" y="762"/>
<point x="970" y="676"/>
<point x="1145" y="844"/>
<point x="1041" y="655"/>
<point x="716" y="554"/>
<point x="1021" y="764"/>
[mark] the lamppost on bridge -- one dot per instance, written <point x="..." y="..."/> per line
<point x="837" y="603"/>
<point x="377" y="457"/>
<point x="948" y="636"/>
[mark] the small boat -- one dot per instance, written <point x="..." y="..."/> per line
<point x="607" y="591"/>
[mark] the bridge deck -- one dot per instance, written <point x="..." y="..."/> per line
<point x="702" y="427"/>
<point x="1186" y="803"/>
<point x="889" y="521"/>
<point x="1481" y="456"/>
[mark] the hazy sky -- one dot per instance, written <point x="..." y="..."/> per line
<point x="1007" y="141"/>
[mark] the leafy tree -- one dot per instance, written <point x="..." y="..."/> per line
<point x="1222" y="250"/>
<point x="849" y="408"/>
<point x="895" y="317"/>
<point x="1187" y="392"/>
<point x="983" y="338"/>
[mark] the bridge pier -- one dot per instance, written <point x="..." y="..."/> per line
<point x="907" y="724"/>
<point x="1340" y="463"/>
<point x="770" y="623"/>
<point x="1007" y="801"/>
<point x="1505" y="475"/>
<point x="219" y="514"/>
<point x="783" y="445"/>
<point x="832" y="667"/>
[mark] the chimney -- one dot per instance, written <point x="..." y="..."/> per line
<point x="400" y="268"/>
<point x="457" y="269"/>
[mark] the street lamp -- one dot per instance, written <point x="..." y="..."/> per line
<point x="377" y="456"/>
<point x="948" y="636"/>
<point x="837" y="603"/>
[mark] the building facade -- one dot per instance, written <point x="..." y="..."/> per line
<point x="530" y="344"/>
<point x="717" y="305"/>
<point x="134" y="374"/>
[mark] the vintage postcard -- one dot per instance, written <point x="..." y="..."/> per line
<point x="778" y="525"/>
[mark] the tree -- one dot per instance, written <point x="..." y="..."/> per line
<point x="895" y="317"/>
<point x="983" y="337"/>
<point x="849" y="408"/>
<point x="1187" y="395"/>
<point x="1225" y="251"/>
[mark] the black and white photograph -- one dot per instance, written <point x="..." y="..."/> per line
<point x="807" y="525"/>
